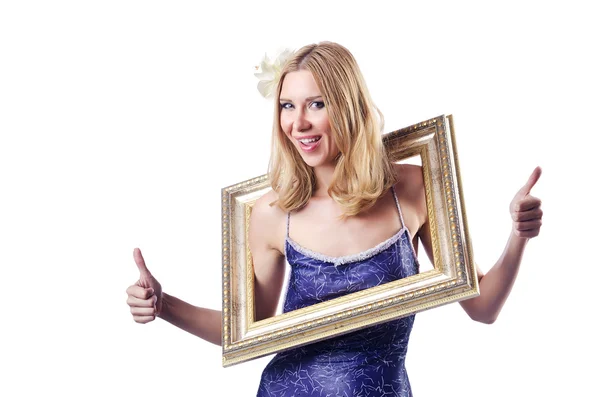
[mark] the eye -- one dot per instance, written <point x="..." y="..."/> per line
<point x="286" y="105"/>
<point x="318" y="104"/>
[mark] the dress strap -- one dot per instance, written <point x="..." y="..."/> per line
<point x="398" y="206"/>
<point x="287" y="232"/>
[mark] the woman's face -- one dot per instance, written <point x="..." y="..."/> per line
<point x="304" y="119"/>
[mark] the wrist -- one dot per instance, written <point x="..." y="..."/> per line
<point x="516" y="240"/>
<point x="516" y="235"/>
<point x="165" y="306"/>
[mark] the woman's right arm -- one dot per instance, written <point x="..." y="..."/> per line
<point x="204" y="323"/>
<point x="266" y="236"/>
<point x="147" y="301"/>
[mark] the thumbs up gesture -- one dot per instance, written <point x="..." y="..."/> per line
<point x="145" y="296"/>
<point x="525" y="209"/>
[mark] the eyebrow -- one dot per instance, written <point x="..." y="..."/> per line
<point x="310" y="98"/>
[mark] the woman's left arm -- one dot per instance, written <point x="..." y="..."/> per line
<point x="496" y="284"/>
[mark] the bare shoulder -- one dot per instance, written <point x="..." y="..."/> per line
<point x="410" y="179"/>
<point x="265" y="211"/>
<point x="267" y="222"/>
<point x="410" y="188"/>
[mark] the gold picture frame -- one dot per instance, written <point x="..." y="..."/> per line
<point x="453" y="277"/>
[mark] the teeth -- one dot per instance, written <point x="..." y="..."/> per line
<point x="307" y="141"/>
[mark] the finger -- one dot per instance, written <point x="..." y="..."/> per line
<point x="137" y="302"/>
<point x="528" y="203"/>
<point x="142" y="311"/>
<point x="141" y="264"/>
<point x="529" y="225"/>
<point x="140" y="292"/>
<point x="527" y="233"/>
<point x="522" y="216"/>
<point x="143" y="319"/>
<point x="535" y="175"/>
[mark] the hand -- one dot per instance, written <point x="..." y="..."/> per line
<point x="145" y="296"/>
<point x="525" y="209"/>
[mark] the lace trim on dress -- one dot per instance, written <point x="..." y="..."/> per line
<point x="342" y="260"/>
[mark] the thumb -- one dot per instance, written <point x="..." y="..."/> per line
<point x="139" y="261"/>
<point x="535" y="175"/>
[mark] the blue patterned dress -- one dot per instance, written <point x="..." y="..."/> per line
<point x="368" y="362"/>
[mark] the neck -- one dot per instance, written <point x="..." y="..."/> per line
<point x="324" y="176"/>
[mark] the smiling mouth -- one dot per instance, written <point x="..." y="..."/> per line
<point x="309" y="141"/>
<point x="309" y="144"/>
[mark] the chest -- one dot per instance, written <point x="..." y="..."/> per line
<point x="319" y="228"/>
<point x="314" y="278"/>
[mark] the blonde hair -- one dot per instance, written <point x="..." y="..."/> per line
<point x="363" y="171"/>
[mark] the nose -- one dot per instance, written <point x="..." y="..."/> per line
<point x="301" y="122"/>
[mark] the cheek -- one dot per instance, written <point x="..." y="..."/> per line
<point x="323" y="121"/>
<point x="325" y="126"/>
<point x="285" y="123"/>
<point x="286" y="127"/>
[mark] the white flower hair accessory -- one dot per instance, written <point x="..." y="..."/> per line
<point x="270" y="72"/>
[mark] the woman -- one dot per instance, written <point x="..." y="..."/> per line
<point x="345" y="219"/>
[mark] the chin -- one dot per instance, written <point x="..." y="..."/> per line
<point x="317" y="161"/>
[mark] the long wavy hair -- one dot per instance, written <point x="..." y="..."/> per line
<point x="363" y="171"/>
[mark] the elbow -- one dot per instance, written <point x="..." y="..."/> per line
<point x="481" y="312"/>
<point x="488" y="320"/>
<point x="484" y="318"/>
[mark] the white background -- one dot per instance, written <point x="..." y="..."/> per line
<point x="121" y="121"/>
